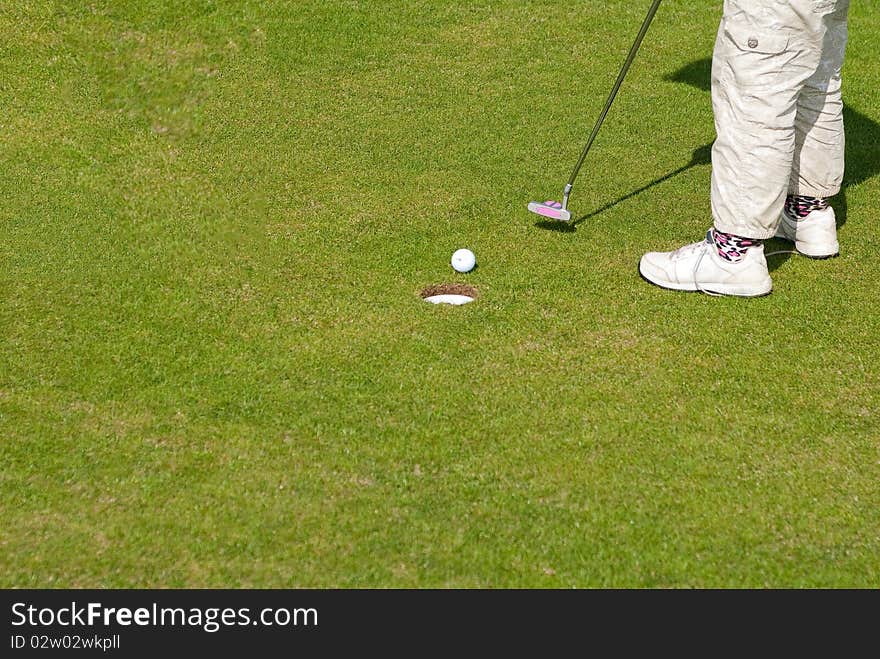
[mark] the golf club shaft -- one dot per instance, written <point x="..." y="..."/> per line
<point x="617" y="84"/>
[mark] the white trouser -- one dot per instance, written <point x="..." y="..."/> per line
<point x="778" y="109"/>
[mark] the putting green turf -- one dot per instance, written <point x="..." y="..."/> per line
<point x="216" y="369"/>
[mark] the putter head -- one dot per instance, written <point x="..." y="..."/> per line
<point x="551" y="209"/>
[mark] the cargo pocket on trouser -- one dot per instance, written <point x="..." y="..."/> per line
<point x="753" y="55"/>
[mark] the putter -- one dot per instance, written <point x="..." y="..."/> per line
<point x="559" y="211"/>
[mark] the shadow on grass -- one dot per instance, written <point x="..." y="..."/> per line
<point x="701" y="156"/>
<point x="862" y="160"/>
<point x="556" y="225"/>
<point x="862" y="150"/>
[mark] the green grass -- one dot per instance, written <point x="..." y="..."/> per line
<point x="216" y="369"/>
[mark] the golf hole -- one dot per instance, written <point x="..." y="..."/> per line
<point x="449" y="294"/>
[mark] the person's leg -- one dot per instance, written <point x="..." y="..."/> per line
<point x="819" y="136"/>
<point x="818" y="164"/>
<point x="765" y="51"/>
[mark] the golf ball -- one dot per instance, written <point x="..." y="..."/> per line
<point x="463" y="260"/>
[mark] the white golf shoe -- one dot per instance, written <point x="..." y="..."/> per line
<point x="814" y="235"/>
<point x="698" y="267"/>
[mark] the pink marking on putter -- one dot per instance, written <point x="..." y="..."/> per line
<point x="551" y="209"/>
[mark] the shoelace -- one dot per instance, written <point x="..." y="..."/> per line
<point x="702" y="246"/>
<point x="689" y="249"/>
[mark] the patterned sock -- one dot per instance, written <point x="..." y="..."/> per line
<point x="732" y="247"/>
<point x="799" y="206"/>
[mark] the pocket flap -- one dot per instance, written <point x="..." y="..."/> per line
<point x="756" y="40"/>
